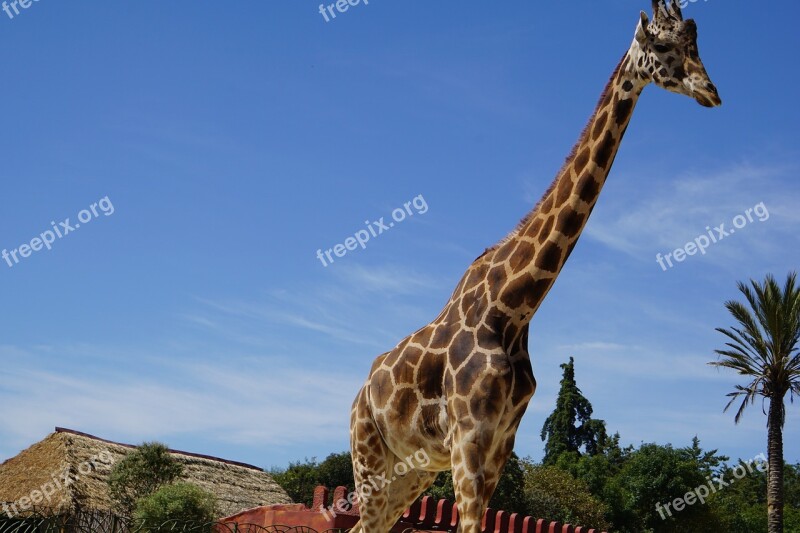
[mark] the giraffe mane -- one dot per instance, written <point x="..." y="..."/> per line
<point x="570" y="158"/>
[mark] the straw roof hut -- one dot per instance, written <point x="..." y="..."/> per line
<point x="68" y="471"/>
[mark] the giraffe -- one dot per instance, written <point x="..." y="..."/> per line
<point x="456" y="389"/>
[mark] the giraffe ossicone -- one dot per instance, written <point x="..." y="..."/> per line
<point x="458" y="387"/>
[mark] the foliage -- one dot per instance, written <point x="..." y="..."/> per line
<point x="182" y="502"/>
<point x="140" y="474"/>
<point x="301" y="478"/>
<point x="336" y="470"/>
<point x="631" y="482"/>
<point x="553" y="494"/>
<point x="742" y="507"/>
<point x="442" y="488"/>
<point x="598" y="472"/>
<point x="570" y="427"/>
<point x="655" y="475"/>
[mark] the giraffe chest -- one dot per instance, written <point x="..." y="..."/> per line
<point x="421" y="405"/>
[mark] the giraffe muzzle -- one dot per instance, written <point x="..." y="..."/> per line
<point x="704" y="92"/>
<point x="708" y="99"/>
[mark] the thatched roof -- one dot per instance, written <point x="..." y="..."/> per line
<point x="74" y="467"/>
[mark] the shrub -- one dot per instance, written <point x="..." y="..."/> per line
<point x="141" y="473"/>
<point x="182" y="502"/>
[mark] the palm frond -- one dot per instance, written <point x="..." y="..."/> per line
<point x="749" y="397"/>
<point x="763" y="343"/>
<point x="741" y="344"/>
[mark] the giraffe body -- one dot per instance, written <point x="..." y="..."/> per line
<point x="458" y="387"/>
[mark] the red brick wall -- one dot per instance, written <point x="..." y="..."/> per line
<point x="425" y="514"/>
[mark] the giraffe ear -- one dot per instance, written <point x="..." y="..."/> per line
<point x="641" y="29"/>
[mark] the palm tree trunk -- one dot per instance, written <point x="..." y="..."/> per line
<point x="775" y="470"/>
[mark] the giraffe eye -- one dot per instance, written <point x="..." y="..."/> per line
<point x="662" y="49"/>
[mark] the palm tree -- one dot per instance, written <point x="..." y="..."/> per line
<point x="764" y="348"/>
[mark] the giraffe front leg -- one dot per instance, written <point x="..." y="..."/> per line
<point x="477" y="466"/>
<point x="372" y="461"/>
<point x="469" y="482"/>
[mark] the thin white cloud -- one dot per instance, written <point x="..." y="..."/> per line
<point x="642" y="219"/>
<point x="248" y="403"/>
<point x="388" y="279"/>
<point x="232" y="372"/>
<point x="238" y="314"/>
<point x="602" y="362"/>
<point x="339" y="308"/>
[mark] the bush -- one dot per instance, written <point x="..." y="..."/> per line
<point x="182" y="502"/>
<point x="554" y="494"/>
<point x="140" y="474"/>
<point x="301" y="478"/>
<point x="336" y="470"/>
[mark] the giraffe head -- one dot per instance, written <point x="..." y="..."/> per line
<point x="666" y="54"/>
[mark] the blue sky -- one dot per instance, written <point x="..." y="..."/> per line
<point x="235" y="140"/>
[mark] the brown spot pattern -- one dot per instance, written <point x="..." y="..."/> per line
<point x="623" y="110"/>
<point x="588" y="188"/>
<point x="549" y="258"/>
<point x="582" y="160"/>
<point x="599" y="125"/>
<point x="604" y="151"/>
<point x="570" y="222"/>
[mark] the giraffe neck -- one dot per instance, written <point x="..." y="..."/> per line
<point x="531" y="257"/>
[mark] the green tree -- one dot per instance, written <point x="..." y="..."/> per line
<point x="553" y="494"/>
<point x="653" y="478"/>
<point x="596" y="469"/>
<point x="598" y="472"/>
<point x="570" y="427"/>
<point x="336" y="470"/>
<point x="442" y="488"/>
<point x="791" y="495"/>
<point x="181" y="502"/>
<point x="742" y="506"/>
<point x="300" y="478"/>
<point x="763" y="348"/>
<point x="141" y="473"/>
